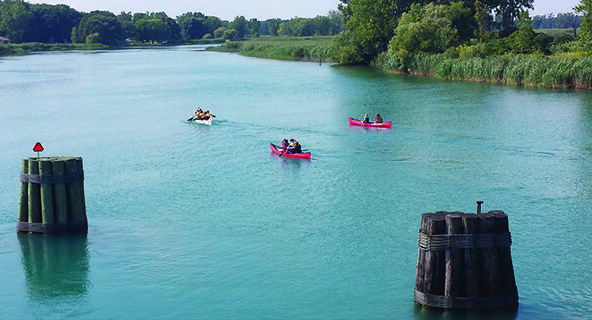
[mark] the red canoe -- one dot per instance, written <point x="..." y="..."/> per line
<point x="278" y="150"/>
<point x="355" y="122"/>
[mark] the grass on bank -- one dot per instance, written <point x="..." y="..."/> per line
<point x="23" y="48"/>
<point x="556" y="32"/>
<point x="282" y="48"/>
<point x="559" y="72"/>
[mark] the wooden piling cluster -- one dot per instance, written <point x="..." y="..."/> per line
<point x="464" y="261"/>
<point x="52" y="195"/>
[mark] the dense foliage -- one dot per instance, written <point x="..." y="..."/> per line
<point x="371" y="24"/>
<point x="22" y="22"/>
<point x="282" y="48"/>
<point x="484" y="40"/>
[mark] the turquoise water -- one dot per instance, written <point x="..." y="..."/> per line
<point x="189" y="221"/>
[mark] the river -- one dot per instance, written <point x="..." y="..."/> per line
<point x="203" y="222"/>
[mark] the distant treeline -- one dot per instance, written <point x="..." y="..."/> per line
<point x="560" y="21"/>
<point x="21" y="22"/>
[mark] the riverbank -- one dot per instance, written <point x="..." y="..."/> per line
<point x="536" y="71"/>
<point x="14" y="49"/>
<point x="282" y="48"/>
<point x="24" y="48"/>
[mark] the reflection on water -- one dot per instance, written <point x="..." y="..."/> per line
<point x="507" y="313"/>
<point x="54" y="266"/>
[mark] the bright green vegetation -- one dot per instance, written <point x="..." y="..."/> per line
<point x="282" y="48"/>
<point x="449" y="39"/>
<point x="22" y="22"/>
<point x="478" y="40"/>
<point x="23" y="48"/>
<point x="509" y="69"/>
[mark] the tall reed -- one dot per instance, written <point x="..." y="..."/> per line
<point x="509" y="69"/>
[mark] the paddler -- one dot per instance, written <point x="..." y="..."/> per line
<point x="207" y="115"/>
<point x="377" y="118"/>
<point x="294" y="147"/>
<point x="366" y="119"/>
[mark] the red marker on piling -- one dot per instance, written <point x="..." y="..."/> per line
<point x="38" y="148"/>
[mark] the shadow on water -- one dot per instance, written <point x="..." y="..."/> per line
<point x="55" y="266"/>
<point x="507" y="313"/>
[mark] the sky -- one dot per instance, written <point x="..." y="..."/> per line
<point x="260" y="9"/>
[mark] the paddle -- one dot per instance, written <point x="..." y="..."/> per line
<point x="190" y="119"/>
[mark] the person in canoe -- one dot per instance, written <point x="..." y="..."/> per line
<point x="366" y="119"/>
<point x="285" y="144"/>
<point x="207" y="115"/>
<point x="196" y="115"/>
<point x="294" y="147"/>
<point x="197" y="112"/>
<point x="377" y="118"/>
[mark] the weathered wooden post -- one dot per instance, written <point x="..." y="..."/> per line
<point x="52" y="195"/>
<point x="464" y="261"/>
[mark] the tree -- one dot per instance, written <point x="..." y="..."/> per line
<point x="127" y="24"/>
<point x="426" y="28"/>
<point x="336" y="22"/>
<point x="282" y="29"/>
<point x="508" y="11"/>
<point x="212" y="23"/>
<point x="371" y="24"/>
<point x="253" y="26"/>
<point x="240" y="25"/>
<point x="152" y="30"/>
<point x="156" y="26"/>
<point x="523" y="38"/>
<point x="192" y="26"/>
<point x="225" y="33"/>
<point x="295" y="26"/>
<point x="273" y="26"/>
<point x="482" y="17"/>
<point x="100" y="26"/>
<point x="17" y="21"/>
<point x="54" y="23"/>
<point x="585" y="7"/>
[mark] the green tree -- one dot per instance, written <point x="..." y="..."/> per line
<point x="152" y="30"/>
<point x="54" y="23"/>
<point x="425" y="29"/>
<point x="225" y="33"/>
<point x="294" y="27"/>
<point x="253" y="26"/>
<point x="585" y="7"/>
<point x="192" y="26"/>
<point x="212" y="23"/>
<point x="508" y="10"/>
<point x="17" y="21"/>
<point x="523" y="38"/>
<point x="273" y="26"/>
<point x="336" y="22"/>
<point x="482" y="17"/>
<point x="100" y="26"/>
<point x="240" y="25"/>
<point x="371" y="24"/>
<point x="127" y="24"/>
<point x="282" y="29"/>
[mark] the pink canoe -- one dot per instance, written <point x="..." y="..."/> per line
<point x="278" y="150"/>
<point x="355" y="122"/>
